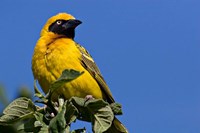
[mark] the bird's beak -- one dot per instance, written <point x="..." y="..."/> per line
<point x="71" y="24"/>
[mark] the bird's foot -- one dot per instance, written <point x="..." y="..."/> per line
<point x="89" y="97"/>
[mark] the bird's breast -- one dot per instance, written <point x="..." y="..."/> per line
<point x="49" y="60"/>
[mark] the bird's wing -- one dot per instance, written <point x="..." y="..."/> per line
<point x="89" y="64"/>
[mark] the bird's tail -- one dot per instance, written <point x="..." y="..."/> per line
<point x="117" y="127"/>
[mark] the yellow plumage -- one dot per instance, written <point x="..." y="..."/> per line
<point x="63" y="54"/>
<point x="56" y="51"/>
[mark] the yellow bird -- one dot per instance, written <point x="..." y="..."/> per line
<point x="56" y="51"/>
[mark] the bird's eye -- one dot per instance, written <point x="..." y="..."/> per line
<point x="59" y="22"/>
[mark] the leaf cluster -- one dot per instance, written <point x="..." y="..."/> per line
<point x="57" y="117"/>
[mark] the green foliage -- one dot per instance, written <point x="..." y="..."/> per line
<point x="19" y="109"/>
<point x="57" y="117"/>
<point x="67" y="76"/>
<point x="3" y="98"/>
<point x="4" y="101"/>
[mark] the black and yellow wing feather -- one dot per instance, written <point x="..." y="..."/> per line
<point x="89" y="64"/>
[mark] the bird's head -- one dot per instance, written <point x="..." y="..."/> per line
<point x="62" y="24"/>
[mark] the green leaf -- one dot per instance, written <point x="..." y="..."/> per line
<point x="116" y="108"/>
<point x="3" y="98"/>
<point x="39" y="123"/>
<point x="40" y="120"/>
<point x="39" y="94"/>
<point x="102" y="117"/>
<point x="24" y="92"/>
<point x="20" y="108"/>
<point x="71" y="112"/>
<point x="79" y="103"/>
<point x="27" y="126"/>
<point x="96" y="111"/>
<point x="67" y="76"/>
<point x="43" y="130"/>
<point x="58" y="123"/>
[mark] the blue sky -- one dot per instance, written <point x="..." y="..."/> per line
<point x="147" y="50"/>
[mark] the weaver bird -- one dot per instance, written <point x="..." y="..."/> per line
<point x="56" y="51"/>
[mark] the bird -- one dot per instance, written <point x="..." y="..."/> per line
<point x="56" y="51"/>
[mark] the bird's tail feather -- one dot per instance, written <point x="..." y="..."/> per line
<point x="117" y="127"/>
